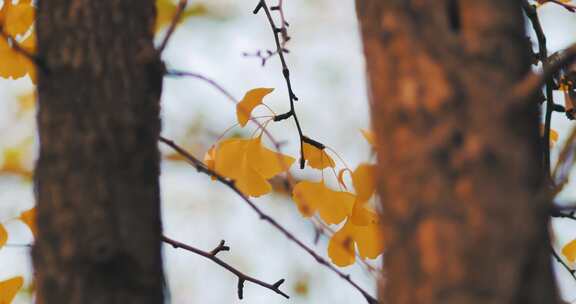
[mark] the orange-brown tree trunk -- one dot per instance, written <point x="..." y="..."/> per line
<point x="459" y="168"/>
<point x="97" y="173"/>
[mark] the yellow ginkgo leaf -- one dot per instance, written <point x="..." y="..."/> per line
<point x="12" y="64"/>
<point x="317" y="158"/>
<point x="368" y="240"/>
<point x="333" y="206"/>
<point x="209" y="160"/>
<point x="369" y="136"/>
<point x="265" y="161"/>
<point x="15" y="65"/>
<point x="4" y="11"/>
<point x="251" y="99"/>
<point x="3" y="236"/>
<point x="29" y="218"/>
<point x="553" y="137"/>
<point x="362" y="214"/>
<point x="363" y="179"/>
<point x="569" y="251"/>
<point x="19" y="19"/>
<point x="166" y="9"/>
<point x="249" y="164"/>
<point x="341" y="247"/>
<point x="9" y="289"/>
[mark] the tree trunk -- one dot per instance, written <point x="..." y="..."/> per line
<point x="97" y="173"/>
<point x="460" y="173"/>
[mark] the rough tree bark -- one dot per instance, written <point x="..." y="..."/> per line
<point x="97" y="173"/>
<point x="459" y="164"/>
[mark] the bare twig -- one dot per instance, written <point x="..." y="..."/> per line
<point x="561" y="261"/>
<point x="212" y="255"/>
<point x="201" y="167"/>
<point x="262" y="5"/>
<point x="221" y="89"/>
<point x="265" y="55"/>
<point x="177" y="16"/>
<point x="532" y="15"/>
<point x="533" y="82"/>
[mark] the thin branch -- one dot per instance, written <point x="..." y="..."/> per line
<point x="177" y="16"/>
<point x="556" y="213"/>
<point x="202" y="168"/>
<point x="532" y="15"/>
<point x="286" y="73"/>
<point x="212" y="255"/>
<point x="213" y="83"/>
<point x="533" y="82"/>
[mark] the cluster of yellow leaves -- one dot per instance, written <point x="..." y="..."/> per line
<point x="250" y="165"/>
<point x="247" y="162"/>
<point x="361" y="229"/>
<point x="17" y="22"/>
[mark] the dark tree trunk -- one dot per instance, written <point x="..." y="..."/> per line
<point x="97" y="173"/>
<point x="459" y="164"/>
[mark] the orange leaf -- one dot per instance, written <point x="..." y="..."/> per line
<point x="317" y="158"/>
<point x="369" y="136"/>
<point x="333" y="206"/>
<point x="249" y="164"/>
<point x="569" y="251"/>
<point x="367" y="238"/>
<point x="341" y="247"/>
<point x="9" y="289"/>
<point x="19" y="18"/>
<point x="363" y="179"/>
<point x="29" y="218"/>
<point x="3" y="236"/>
<point x="252" y="99"/>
